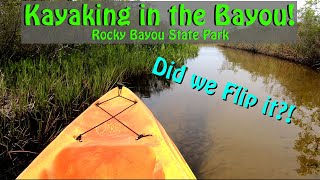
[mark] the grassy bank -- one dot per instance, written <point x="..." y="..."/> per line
<point x="44" y="87"/>
<point x="39" y="97"/>
<point x="306" y="50"/>
<point x="288" y="52"/>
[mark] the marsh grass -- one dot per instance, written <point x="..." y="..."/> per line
<point x="2" y="85"/>
<point x="39" y="97"/>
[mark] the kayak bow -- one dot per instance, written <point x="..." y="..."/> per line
<point x="116" y="137"/>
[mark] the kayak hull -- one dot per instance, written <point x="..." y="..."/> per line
<point x="109" y="147"/>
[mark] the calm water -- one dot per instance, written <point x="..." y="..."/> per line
<point x="221" y="140"/>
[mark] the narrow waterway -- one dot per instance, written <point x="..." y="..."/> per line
<point x="222" y="140"/>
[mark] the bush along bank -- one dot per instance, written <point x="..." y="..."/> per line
<point x="306" y="50"/>
<point x="283" y="51"/>
<point x="39" y="97"/>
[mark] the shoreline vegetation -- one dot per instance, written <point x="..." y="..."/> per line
<point x="45" y="87"/>
<point x="281" y="51"/>
<point x="306" y="50"/>
<point x="40" y="96"/>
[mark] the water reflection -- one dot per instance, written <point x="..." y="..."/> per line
<point x="308" y="144"/>
<point x="221" y="140"/>
<point x="302" y="86"/>
<point x="188" y="123"/>
<point x="147" y="84"/>
<point x="298" y="82"/>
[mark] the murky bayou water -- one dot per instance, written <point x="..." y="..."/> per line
<point x="222" y="140"/>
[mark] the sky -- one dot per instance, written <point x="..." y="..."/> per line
<point x="300" y="3"/>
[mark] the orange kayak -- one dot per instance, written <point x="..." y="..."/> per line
<point x="116" y="137"/>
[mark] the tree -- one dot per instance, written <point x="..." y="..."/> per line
<point x="309" y="31"/>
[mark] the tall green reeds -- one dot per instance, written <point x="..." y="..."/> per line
<point x="40" y="96"/>
<point x="44" y="87"/>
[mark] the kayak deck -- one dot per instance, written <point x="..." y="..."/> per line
<point x="116" y="137"/>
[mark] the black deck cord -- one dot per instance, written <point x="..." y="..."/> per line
<point x="114" y="116"/>
<point x="79" y="137"/>
<point x="119" y="120"/>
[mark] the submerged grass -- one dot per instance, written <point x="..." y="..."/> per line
<point x="39" y="97"/>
